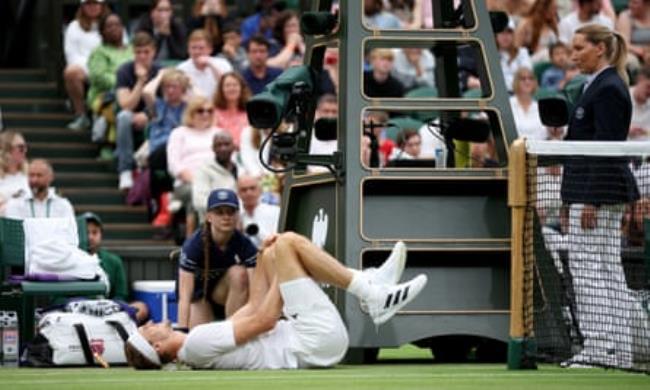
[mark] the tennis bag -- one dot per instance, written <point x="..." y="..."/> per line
<point x="89" y="333"/>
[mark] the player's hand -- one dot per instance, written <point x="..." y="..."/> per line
<point x="268" y="241"/>
<point x="588" y="218"/>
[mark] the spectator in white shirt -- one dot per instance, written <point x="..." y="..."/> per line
<point x="13" y="167"/>
<point x="524" y="108"/>
<point x="259" y="220"/>
<point x="327" y="107"/>
<point x="80" y="38"/>
<point x="203" y="70"/>
<point x="587" y="12"/>
<point x="41" y="201"/>
<point x="640" y="92"/>
<point x="512" y="56"/>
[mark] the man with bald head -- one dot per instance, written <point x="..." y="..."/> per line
<point x="259" y="220"/>
<point x="41" y="201"/>
<point x="219" y="172"/>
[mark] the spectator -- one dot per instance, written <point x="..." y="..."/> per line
<point x="132" y="76"/>
<point x="214" y="263"/>
<point x="634" y="25"/>
<point x="516" y="9"/>
<point x="263" y="21"/>
<point x="288" y="42"/>
<point x="230" y="105"/>
<point x="538" y="29"/>
<point x="249" y="149"/>
<point x="188" y="147"/>
<point x="379" y="82"/>
<point x="13" y="167"/>
<point x="414" y="67"/>
<point x="555" y="77"/>
<point x="422" y="15"/>
<point x="375" y="17"/>
<point x="258" y="73"/>
<point x="169" y="33"/>
<point x="327" y="107"/>
<point x="210" y="15"/>
<point x="217" y="172"/>
<point x="41" y="201"/>
<point x="409" y="145"/>
<point x="113" y="265"/>
<point x="512" y="56"/>
<point x="331" y="66"/>
<point x="203" y="70"/>
<point x="524" y="108"/>
<point x="375" y="146"/>
<point x="258" y="220"/>
<point x="232" y="51"/>
<point x="640" y="92"/>
<point x="166" y="113"/>
<point x="102" y="74"/>
<point x="80" y="38"/>
<point x="588" y="12"/>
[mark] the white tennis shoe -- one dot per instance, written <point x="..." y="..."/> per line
<point x="387" y="300"/>
<point x="390" y="272"/>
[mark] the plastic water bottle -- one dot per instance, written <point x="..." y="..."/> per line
<point x="9" y="338"/>
<point x="441" y="156"/>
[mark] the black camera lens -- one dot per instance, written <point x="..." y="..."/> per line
<point x="252" y="229"/>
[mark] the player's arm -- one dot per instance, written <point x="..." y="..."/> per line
<point x="260" y="320"/>
<point x="257" y="290"/>
<point x="185" y="289"/>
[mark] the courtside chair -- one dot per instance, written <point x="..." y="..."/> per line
<point x="20" y="296"/>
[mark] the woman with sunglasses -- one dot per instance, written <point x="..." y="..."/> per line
<point x="214" y="263"/>
<point x="13" y="167"/>
<point x="190" y="146"/>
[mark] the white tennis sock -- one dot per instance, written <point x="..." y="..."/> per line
<point x="360" y="285"/>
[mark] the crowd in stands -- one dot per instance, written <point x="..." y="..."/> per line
<point x="166" y="97"/>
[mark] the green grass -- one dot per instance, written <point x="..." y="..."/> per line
<point x="401" y="373"/>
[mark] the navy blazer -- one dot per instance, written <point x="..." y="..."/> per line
<point x="602" y="113"/>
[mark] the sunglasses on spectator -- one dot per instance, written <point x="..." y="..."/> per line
<point x="202" y="111"/>
<point x="20" y="147"/>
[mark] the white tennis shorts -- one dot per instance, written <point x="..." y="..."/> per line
<point x="321" y="338"/>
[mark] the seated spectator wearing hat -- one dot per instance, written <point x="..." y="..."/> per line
<point x="112" y="264"/>
<point x="215" y="263"/>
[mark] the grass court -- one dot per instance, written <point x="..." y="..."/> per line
<point x="404" y="368"/>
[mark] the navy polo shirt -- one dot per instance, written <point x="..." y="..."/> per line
<point x="239" y="251"/>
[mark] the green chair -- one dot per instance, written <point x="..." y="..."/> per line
<point x="402" y="123"/>
<point x="423" y="93"/>
<point x="619" y="5"/>
<point x="20" y="296"/>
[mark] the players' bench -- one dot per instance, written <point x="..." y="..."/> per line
<point x="20" y="296"/>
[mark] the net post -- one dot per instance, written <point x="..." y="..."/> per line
<point x="519" y="356"/>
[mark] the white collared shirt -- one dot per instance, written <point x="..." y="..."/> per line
<point x="53" y="206"/>
<point x="592" y="77"/>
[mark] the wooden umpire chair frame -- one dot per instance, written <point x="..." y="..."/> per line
<point x="21" y="296"/>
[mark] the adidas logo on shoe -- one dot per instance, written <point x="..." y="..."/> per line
<point x="388" y="300"/>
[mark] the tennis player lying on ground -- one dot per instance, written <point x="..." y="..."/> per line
<point x="284" y="282"/>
